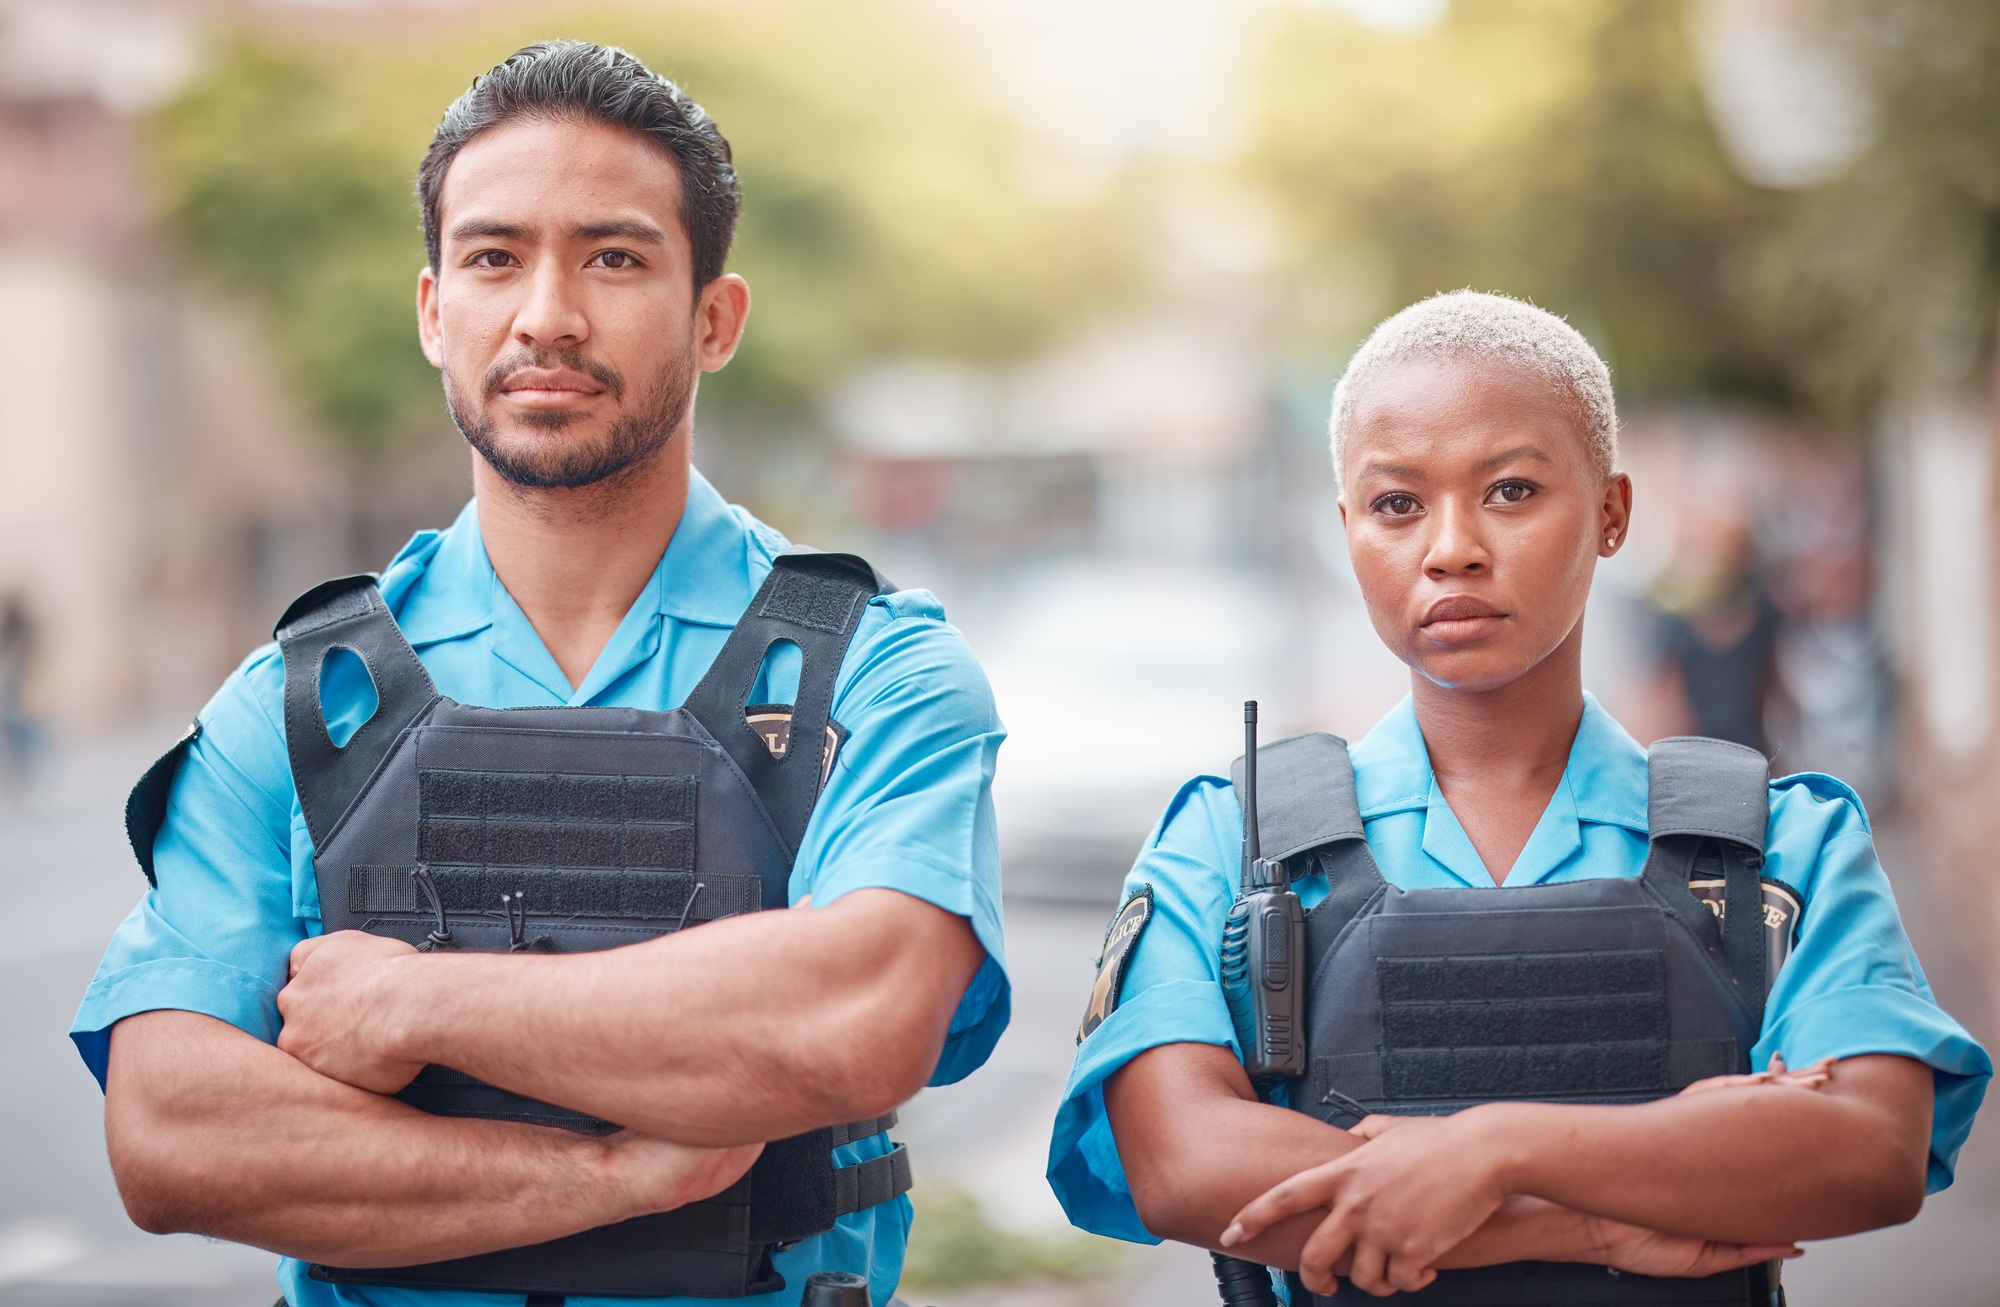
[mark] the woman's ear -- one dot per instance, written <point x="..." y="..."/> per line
<point x="1615" y="514"/>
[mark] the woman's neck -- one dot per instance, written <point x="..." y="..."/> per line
<point x="1499" y="754"/>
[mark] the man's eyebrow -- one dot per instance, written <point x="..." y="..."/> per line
<point x="630" y="230"/>
<point x="1519" y="451"/>
<point x="473" y="229"/>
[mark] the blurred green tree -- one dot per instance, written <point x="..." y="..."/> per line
<point x="1558" y="150"/>
<point x="1885" y="281"/>
<point x="885" y="205"/>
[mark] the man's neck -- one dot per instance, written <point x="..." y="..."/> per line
<point x="575" y="560"/>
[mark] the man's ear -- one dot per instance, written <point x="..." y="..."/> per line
<point x="428" y="330"/>
<point x="719" y="316"/>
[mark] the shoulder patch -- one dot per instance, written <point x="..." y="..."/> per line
<point x="1119" y="941"/>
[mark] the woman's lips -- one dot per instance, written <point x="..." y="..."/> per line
<point x="1458" y="618"/>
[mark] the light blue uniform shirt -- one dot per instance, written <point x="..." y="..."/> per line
<point x="1851" y="985"/>
<point x="908" y="807"/>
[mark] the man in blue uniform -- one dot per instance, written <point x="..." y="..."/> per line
<point x="577" y="210"/>
<point x="1474" y="437"/>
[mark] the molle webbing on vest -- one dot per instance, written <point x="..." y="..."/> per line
<point x="567" y="892"/>
<point x="345" y="614"/>
<point x="816" y="602"/>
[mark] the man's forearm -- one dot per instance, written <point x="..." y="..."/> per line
<point x="1746" y="1165"/>
<point x="744" y="1030"/>
<point x="214" y="1132"/>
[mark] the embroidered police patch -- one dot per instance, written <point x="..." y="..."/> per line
<point x="1119" y="941"/>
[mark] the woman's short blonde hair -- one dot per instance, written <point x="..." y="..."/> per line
<point x="1476" y="326"/>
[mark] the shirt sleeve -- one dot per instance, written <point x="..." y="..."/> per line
<point x="909" y="805"/>
<point x="1171" y="994"/>
<point x="215" y="934"/>
<point x="1852" y="984"/>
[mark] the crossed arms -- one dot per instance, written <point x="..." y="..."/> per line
<point x="1731" y="1175"/>
<point x="704" y="1045"/>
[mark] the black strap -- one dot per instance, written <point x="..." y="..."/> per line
<point x="866" y="1184"/>
<point x="816" y="602"/>
<point x="1708" y="801"/>
<point x="347" y="613"/>
<point x="146" y="805"/>
<point x="847" y="1134"/>
<point x="1308" y="814"/>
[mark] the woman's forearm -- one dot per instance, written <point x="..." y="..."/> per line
<point x="1747" y="1165"/>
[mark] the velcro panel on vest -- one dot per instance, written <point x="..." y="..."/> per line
<point x="1698" y="786"/>
<point x="792" y="1188"/>
<point x="1563" y="1284"/>
<point x="819" y="602"/>
<point x="1305" y="794"/>
<point x="524" y="819"/>
<point x="1520" y="1025"/>
<point x="547" y="892"/>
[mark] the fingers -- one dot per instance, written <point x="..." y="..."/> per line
<point x="1377" y="1124"/>
<point x="1301" y="1193"/>
<point x="1715" y="1258"/>
<point x="1329" y="1243"/>
<point x="301" y="951"/>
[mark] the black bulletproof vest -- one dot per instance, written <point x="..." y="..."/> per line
<point x="572" y="829"/>
<point x="1619" y="990"/>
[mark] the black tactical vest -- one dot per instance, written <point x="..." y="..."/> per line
<point x="567" y="830"/>
<point x="1620" y="990"/>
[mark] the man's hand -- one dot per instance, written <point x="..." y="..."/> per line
<point x="334" y="1010"/>
<point x="660" y="1175"/>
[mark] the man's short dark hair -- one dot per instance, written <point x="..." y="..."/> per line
<point x="576" y="81"/>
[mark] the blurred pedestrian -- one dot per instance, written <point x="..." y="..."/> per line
<point x="1715" y="631"/>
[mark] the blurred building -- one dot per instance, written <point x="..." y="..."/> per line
<point x="164" y="495"/>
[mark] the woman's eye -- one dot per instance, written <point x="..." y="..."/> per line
<point x="1510" y="492"/>
<point x="1396" y="505"/>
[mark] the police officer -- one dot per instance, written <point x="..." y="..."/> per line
<point x="1538" y="966"/>
<point x="371" y="977"/>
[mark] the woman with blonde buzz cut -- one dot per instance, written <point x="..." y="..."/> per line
<point x="1540" y="963"/>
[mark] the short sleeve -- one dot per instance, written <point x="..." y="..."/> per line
<point x="1171" y="994"/>
<point x="1852" y="984"/>
<point x="909" y="805"/>
<point x="214" y="936"/>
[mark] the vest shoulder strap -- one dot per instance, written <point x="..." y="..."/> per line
<point x="1309" y="815"/>
<point x="346" y="613"/>
<point x="1710" y="800"/>
<point x="815" y="601"/>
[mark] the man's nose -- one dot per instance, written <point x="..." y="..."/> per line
<point x="551" y="313"/>
<point x="1456" y="546"/>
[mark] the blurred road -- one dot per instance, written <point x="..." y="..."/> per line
<point x="66" y="879"/>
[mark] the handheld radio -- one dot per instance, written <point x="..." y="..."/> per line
<point x="1263" y="950"/>
<point x="1263" y="947"/>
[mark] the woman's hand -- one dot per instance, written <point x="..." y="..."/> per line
<point x="1648" y="1252"/>
<point x="1394" y="1206"/>
<point x="1812" y="1077"/>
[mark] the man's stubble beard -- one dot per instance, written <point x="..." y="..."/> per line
<point x="633" y="438"/>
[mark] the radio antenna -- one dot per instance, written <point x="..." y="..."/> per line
<point x="1251" y="850"/>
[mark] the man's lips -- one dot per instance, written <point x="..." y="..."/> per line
<point x="1457" y="618"/>
<point x="537" y="388"/>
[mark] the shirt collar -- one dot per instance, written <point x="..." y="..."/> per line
<point x="1605" y="775"/>
<point x="441" y="586"/>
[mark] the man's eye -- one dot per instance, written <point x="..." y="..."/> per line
<point x="490" y="259"/>
<point x="1397" y="505"/>
<point x="1509" y="492"/>
<point x="614" y="259"/>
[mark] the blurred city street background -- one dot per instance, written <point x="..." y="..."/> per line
<point x="1050" y="296"/>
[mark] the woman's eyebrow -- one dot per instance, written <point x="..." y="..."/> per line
<point x="1519" y="451"/>
<point x="1391" y="470"/>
